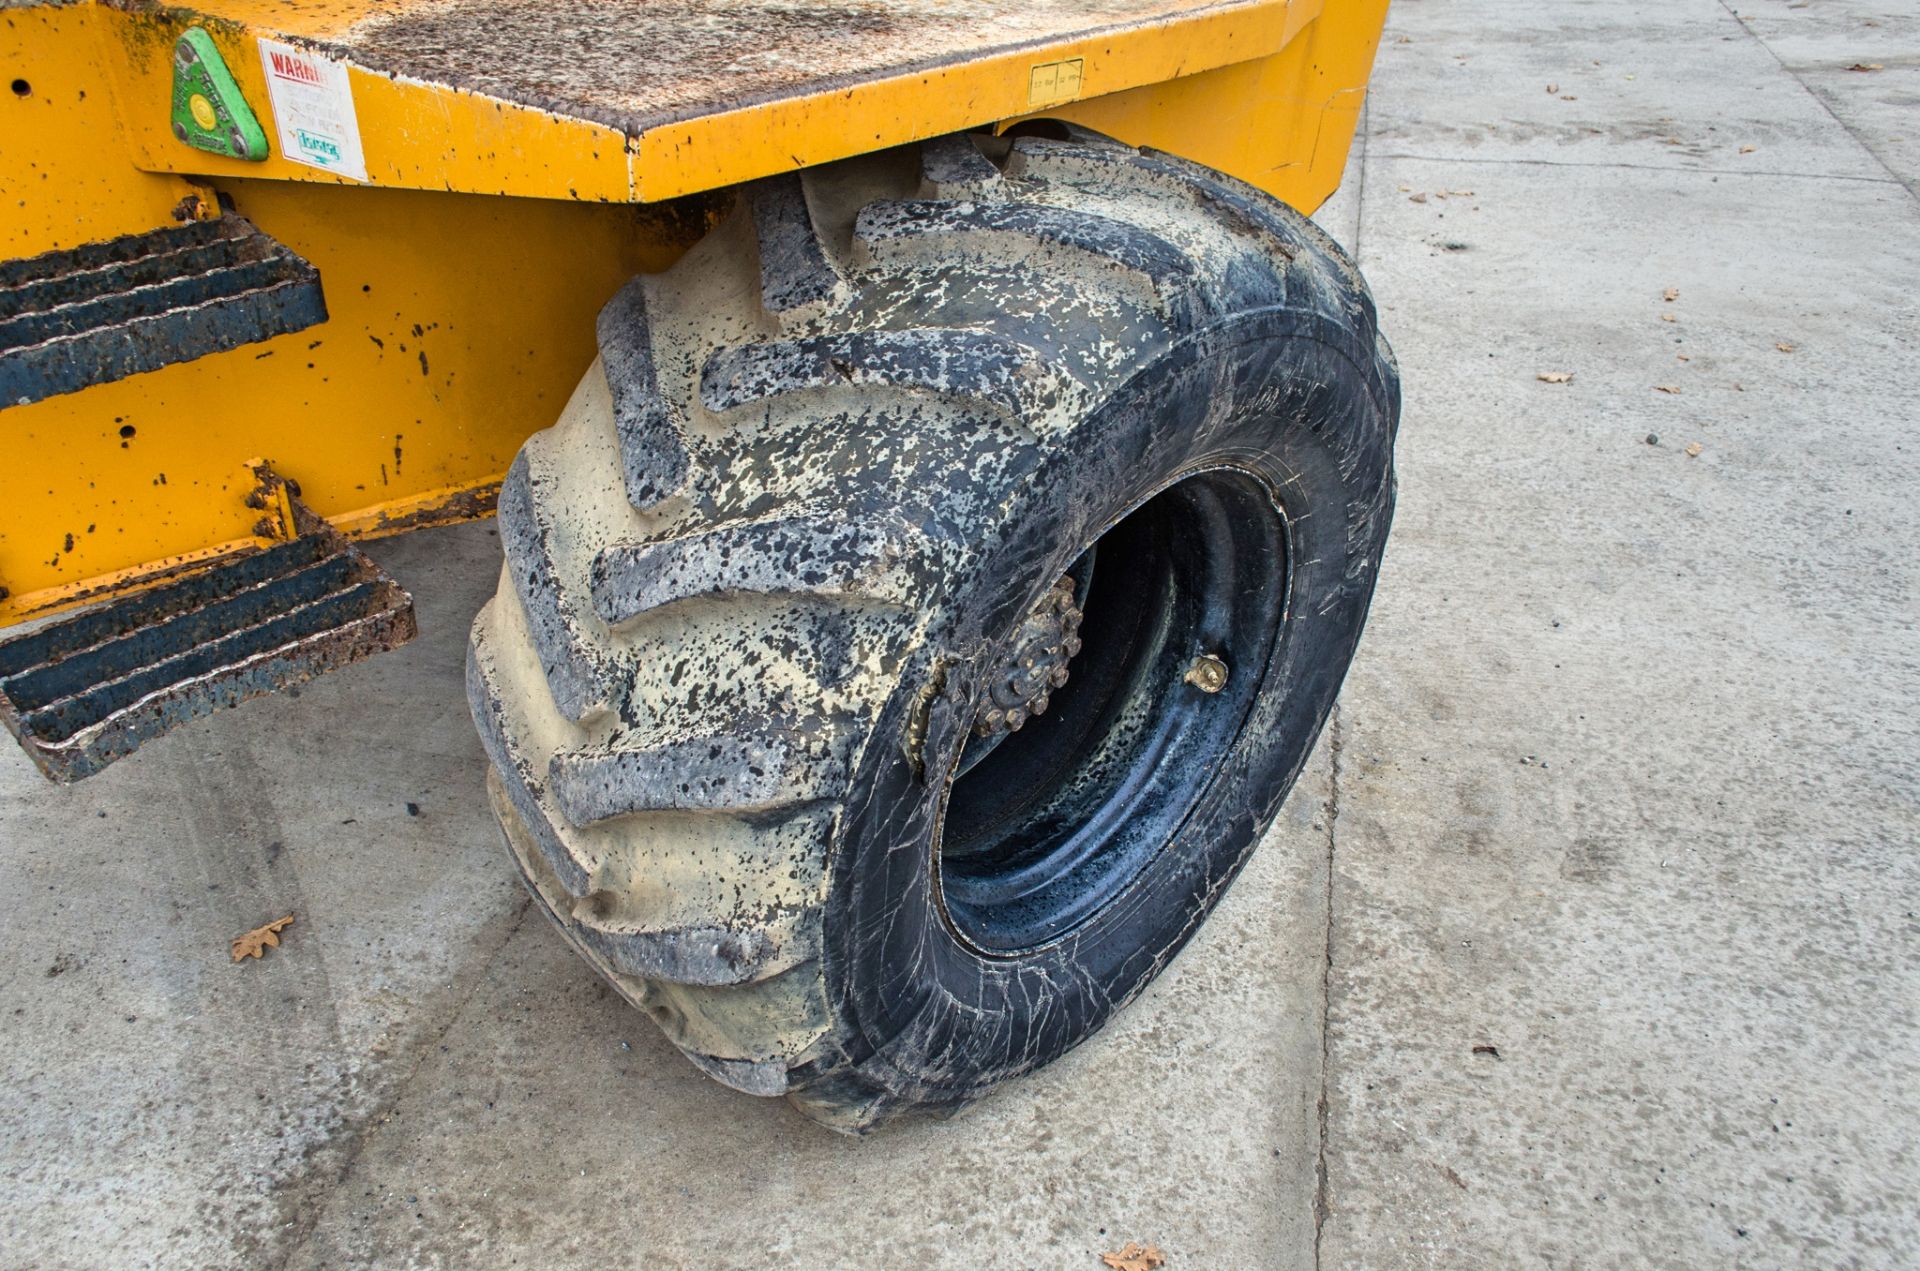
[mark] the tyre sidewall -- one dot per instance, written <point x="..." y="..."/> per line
<point x="1297" y="401"/>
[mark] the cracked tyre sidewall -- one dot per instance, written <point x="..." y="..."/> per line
<point x="926" y="1021"/>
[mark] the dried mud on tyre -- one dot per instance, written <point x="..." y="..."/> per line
<point x="839" y="687"/>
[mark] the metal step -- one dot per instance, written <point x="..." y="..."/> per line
<point x="83" y="692"/>
<point x="104" y="311"/>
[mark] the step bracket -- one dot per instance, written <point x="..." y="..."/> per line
<point x="84" y="691"/>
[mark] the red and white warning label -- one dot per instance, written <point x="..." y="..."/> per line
<point x="313" y="109"/>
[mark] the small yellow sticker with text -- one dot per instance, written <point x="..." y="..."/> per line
<point x="1055" y="81"/>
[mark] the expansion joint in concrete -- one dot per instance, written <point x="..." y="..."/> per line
<point x="1822" y="102"/>
<point x="1335" y="740"/>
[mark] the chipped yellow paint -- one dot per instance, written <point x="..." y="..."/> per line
<point x="443" y="505"/>
<point x="418" y="136"/>
<point x="459" y="324"/>
<point x="431" y="136"/>
<point x="64" y="176"/>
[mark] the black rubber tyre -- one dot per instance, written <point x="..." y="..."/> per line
<point x="908" y="452"/>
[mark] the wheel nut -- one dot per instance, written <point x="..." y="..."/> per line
<point x="1208" y="673"/>
<point x="1019" y="687"/>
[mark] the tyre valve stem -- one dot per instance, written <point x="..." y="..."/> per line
<point x="1208" y="673"/>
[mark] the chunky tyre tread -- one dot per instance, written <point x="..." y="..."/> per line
<point x="706" y="956"/>
<point x="491" y="691"/>
<point x="794" y="268"/>
<point x="892" y="229"/>
<point x="656" y="959"/>
<point x="787" y="556"/>
<point x="576" y="673"/>
<point x="653" y="442"/>
<point x="671" y="792"/>
<point x="954" y="166"/>
<point x="752" y="768"/>
<point x="972" y="365"/>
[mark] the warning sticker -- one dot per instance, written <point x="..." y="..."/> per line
<point x="313" y="109"/>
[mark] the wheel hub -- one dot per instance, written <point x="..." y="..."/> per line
<point x="1183" y="598"/>
<point x="1022" y="686"/>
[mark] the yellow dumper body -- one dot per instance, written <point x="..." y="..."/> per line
<point x="473" y="179"/>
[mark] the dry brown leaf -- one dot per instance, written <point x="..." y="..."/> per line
<point x="1405" y="188"/>
<point x="1568" y="97"/>
<point x="1553" y="88"/>
<point x="1682" y="357"/>
<point x="1461" y="194"/>
<point x="1555" y="377"/>
<point x="1784" y="347"/>
<point x="1135" y="1257"/>
<point x="1748" y="149"/>
<point x="1667" y="317"/>
<point x="256" y="942"/>
<point x="1405" y="39"/>
<point x="1693" y="449"/>
<point x="1674" y="141"/>
<point x="1417" y="198"/>
<point x="1866" y="66"/>
<point x="1666" y="388"/>
<point x="1670" y="294"/>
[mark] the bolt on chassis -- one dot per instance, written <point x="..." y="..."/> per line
<point x="941" y="471"/>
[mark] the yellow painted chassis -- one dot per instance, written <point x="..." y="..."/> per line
<point x="463" y="277"/>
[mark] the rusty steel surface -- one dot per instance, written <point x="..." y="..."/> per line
<point x="635" y="64"/>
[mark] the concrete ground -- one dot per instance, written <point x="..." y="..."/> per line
<point x="1622" y="787"/>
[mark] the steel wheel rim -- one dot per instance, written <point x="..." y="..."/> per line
<point x="1062" y="818"/>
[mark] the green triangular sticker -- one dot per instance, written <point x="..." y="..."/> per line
<point x="208" y="111"/>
